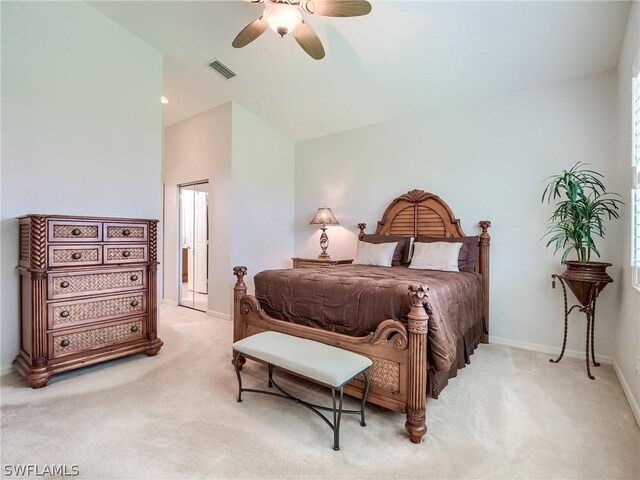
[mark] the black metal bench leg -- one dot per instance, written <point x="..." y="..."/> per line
<point x="236" y="364"/>
<point x="336" y="434"/>
<point x="270" y="384"/>
<point x="364" y="398"/>
<point x="337" y="415"/>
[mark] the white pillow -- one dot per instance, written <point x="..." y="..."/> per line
<point x="380" y="255"/>
<point x="436" y="256"/>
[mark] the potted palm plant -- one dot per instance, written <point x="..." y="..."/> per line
<point x="582" y="203"/>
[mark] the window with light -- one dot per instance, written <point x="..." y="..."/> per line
<point x="635" y="195"/>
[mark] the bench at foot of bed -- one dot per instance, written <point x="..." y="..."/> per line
<point x="324" y="364"/>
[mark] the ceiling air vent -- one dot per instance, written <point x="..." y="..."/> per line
<point x="222" y="69"/>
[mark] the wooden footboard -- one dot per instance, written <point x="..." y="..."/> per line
<point x="399" y="353"/>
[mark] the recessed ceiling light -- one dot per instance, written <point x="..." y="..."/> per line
<point x="164" y="100"/>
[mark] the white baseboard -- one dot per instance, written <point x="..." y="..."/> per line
<point x="6" y="370"/>
<point x="536" y="347"/>
<point x="222" y="316"/>
<point x="635" y="408"/>
<point x="169" y="302"/>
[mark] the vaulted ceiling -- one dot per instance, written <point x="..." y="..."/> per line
<point x="403" y="58"/>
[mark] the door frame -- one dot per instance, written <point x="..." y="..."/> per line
<point x="179" y="272"/>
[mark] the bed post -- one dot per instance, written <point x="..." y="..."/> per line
<point x="416" y="424"/>
<point x="361" y="227"/>
<point x="485" y="241"/>
<point x="239" y="291"/>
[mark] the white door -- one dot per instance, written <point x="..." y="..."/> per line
<point x="200" y="260"/>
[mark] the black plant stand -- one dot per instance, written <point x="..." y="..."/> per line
<point x="589" y="310"/>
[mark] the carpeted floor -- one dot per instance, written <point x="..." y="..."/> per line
<point x="511" y="414"/>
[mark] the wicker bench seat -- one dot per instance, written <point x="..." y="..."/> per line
<point x="321" y="363"/>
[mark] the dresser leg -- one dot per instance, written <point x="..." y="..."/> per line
<point x="154" y="347"/>
<point x="36" y="377"/>
<point x="38" y="380"/>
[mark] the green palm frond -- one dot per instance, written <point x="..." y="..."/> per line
<point x="582" y="202"/>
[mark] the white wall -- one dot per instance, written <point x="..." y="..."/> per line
<point x="487" y="159"/>
<point x="263" y="195"/>
<point x="250" y="169"/>
<point x="81" y="126"/>
<point x="627" y="339"/>
<point x="199" y="148"/>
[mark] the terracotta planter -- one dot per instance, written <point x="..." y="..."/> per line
<point x="580" y="276"/>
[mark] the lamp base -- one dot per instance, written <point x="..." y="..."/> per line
<point x="324" y="256"/>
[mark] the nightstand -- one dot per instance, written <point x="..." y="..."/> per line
<point x="318" y="262"/>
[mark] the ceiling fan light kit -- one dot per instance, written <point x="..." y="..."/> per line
<point x="282" y="17"/>
<point x="285" y="16"/>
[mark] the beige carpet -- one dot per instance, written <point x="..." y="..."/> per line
<point x="511" y="414"/>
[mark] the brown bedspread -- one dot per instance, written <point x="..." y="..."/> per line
<point x="355" y="299"/>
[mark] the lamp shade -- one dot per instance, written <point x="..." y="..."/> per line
<point x="324" y="216"/>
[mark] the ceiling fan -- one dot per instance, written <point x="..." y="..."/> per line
<point x="284" y="16"/>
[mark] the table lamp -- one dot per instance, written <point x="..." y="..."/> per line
<point x="324" y="216"/>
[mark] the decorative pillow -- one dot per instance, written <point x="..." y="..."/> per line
<point x="468" y="252"/>
<point x="401" y="254"/>
<point x="436" y="256"/>
<point x="380" y="254"/>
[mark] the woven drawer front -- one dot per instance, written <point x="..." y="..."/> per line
<point x="125" y="254"/>
<point x="72" y="313"/>
<point x="61" y="231"/>
<point x="76" y="255"/>
<point x="66" y="344"/>
<point x="125" y="232"/>
<point x="66" y="285"/>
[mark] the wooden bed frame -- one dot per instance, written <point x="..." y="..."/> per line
<point x="398" y="350"/>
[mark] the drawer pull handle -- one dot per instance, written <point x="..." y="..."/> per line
<point x="134" y="329"/>
<point x="134" y="278"/>
<point x="64" y="284"/>
<point x="64" y="313"/>
<point x="126" y="232"/>
<point x="65" y="343"/>
<point x="76" y="256"/>
<point x="135" y="303"/>
<point x="75" y="232"/>
<point x="126" y="254"/>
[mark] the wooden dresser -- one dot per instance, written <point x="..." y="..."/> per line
<point x="87" y="292"/>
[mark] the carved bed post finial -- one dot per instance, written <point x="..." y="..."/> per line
<point x="361" y="227"/>
<point x="239" y="291"/>
<point x="418" y="325"/>
<point x="240" y="272"/>
<point x="485" y="241"/>
<point x="485" y="225"/>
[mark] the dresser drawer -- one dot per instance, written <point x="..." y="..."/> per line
<point x="125" y="232"/>
<point x="66" y="255"/>
<point x="63" y="343"/>
<point x="74" y="231"/>
<point x="125" y="253"/>
<point x="76" y="284"/>
<point x="73" y="313"/>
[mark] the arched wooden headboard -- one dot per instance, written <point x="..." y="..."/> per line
<point x="422" y="213"/>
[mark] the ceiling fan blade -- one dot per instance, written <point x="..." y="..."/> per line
<point x="337" y="8"/>
<point x="250" y="33"/>
<point x="308" y="40"/>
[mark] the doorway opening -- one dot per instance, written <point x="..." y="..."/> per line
<point x="194" y="245"/>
